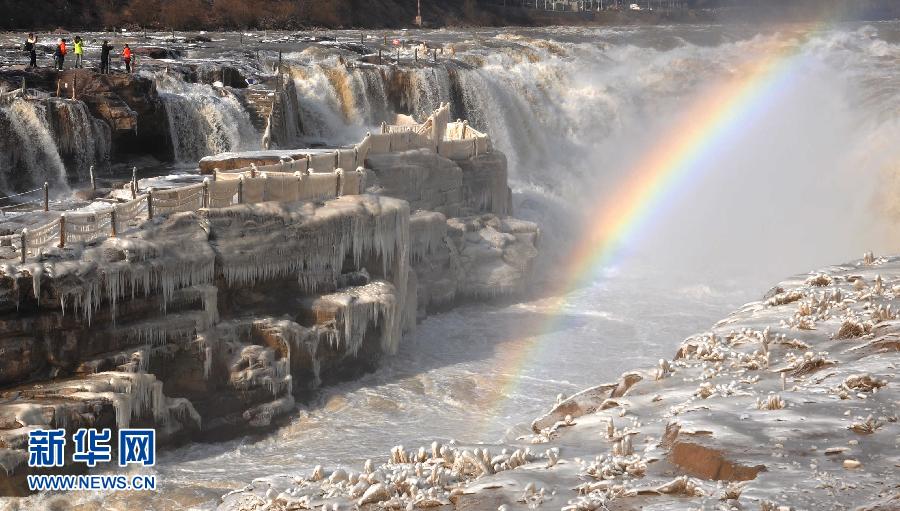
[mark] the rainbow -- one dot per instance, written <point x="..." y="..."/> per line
<point x="689" y="147"/>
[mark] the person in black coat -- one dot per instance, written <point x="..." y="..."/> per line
<point x="31" y="48"/>
<point x="105" y="48"/>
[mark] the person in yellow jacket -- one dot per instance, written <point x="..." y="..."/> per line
<point x="79" y="52"/>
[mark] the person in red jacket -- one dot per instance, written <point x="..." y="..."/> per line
<point x="126" y="56"/>
<point x="60" y="54"/>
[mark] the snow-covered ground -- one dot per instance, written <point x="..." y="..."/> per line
<point x="789" y="403"/>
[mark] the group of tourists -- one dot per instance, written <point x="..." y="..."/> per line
<point x="59" y="54"/>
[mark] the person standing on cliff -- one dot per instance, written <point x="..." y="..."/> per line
<point x="31" y="48"/>
<point x="126" y="56"/>
<point x="105" y="48"/>
<point x="79" y="52"/>
<point x="60" y="55"/>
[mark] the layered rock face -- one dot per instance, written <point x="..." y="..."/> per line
<point x="215" y="321"/>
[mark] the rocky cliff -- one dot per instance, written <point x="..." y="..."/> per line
<point x="215" y="321"/>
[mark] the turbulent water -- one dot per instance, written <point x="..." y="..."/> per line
<point x="805" y="180"/>
<point x="202" y="121"/>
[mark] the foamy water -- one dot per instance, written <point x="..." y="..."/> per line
<point x="802" y="184"/>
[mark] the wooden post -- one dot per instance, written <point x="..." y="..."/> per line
<point x="362" y="37"/>
<point x="57" y="87"/>
<point x="279" y="61"/>
<point x="241" y="190"/>
<point x="398" y="55"/>
<point x="62" y="230"/>
<point x="252" y="170"/>
<point x="416" y="55"/>
<point x="205" y="192"/>
<point x="114" y="230"/>
<point x="46" y="196"/>
<point x="380" y="58"/>
<point x="93" y="182"/>
<point x="435" y="55"/>
<point x="150" y="204"/>
<point x="265" y="193"/>
<point x="134" y="185"/>
<point x="337" y="189"/>
<point x="74" y="82"/>
<point x="24" y="236"/>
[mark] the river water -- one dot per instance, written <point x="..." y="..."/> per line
<point x="804" y="177"/>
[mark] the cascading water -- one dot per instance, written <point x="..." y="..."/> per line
<point x="789" y="185"/>
<point x="576" y="114"/>
<point x="52" y="140"/>
<point x="338" y="102"/>
<point x="204" y="120"/>
<point x="82" y="140"/>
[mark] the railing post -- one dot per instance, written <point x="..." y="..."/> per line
<point x="337" y="189"/>
<point x="74" y="81"/>
<point x="62" y="230"/>
<point x="205" y="192"/>
<point x="93" y="182"/>
<point x="112" y="223"/>
<point x="253" y="170"/>
<point x="435" y="55"/>
<point x="46" y="196"/>
<point x="150" y="204"/>
<point x="241" y="190"/>
<point x="134" y="186"/>
<point x="24" y="237"/>
<point x="416" y="55"/>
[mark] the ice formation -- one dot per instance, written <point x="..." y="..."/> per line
<point x="753" y="414"/>
<point x="243" y="290"/>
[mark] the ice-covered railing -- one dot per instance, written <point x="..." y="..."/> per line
<point x="251" y="186"/>
<point x="229" y="188"/>
<point x="464" y="142"/>
<point x="317" y="176"/>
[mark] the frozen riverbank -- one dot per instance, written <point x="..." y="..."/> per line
<point x="790" y="401"/>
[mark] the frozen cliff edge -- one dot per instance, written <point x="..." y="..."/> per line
<point x="790" y="402"/>
<point x="215" y="321"/>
